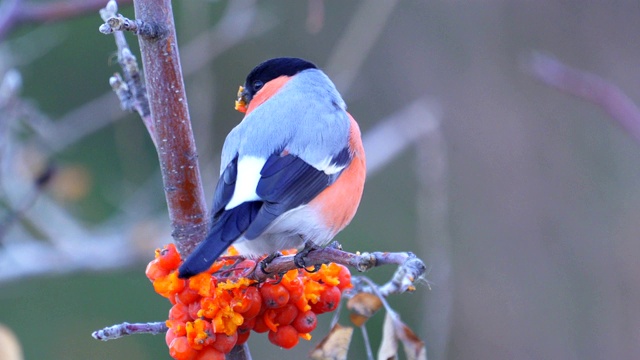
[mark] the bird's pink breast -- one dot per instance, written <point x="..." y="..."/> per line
<point x="338" y="203"/>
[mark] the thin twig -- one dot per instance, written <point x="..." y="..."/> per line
<point x="589" y="87"/>
<point x="124" y="329"/>
<point x="130" y="89"/>
<point x="14" y="13"/>
<point x="367" y="343"/>
<point x="117" y="22"/>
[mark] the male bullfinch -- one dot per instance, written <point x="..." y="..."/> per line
<point x="292" y="172"/>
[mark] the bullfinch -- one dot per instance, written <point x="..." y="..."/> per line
<point x="292" y="172"/>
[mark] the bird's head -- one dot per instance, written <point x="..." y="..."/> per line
<point x="262" y="74"/>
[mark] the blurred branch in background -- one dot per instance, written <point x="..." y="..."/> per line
<point x="589" y="87"/>
<point x="14" y="13"/>
<point x="232" y="29"/>
<point x="355" y="44"/>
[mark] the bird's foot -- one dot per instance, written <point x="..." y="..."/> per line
<point x="266" y="261"/>
<point x="299" y="261"/>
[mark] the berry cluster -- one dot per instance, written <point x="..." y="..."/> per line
<point x="216" y="310"/>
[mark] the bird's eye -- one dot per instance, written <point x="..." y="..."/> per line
<point x="257" y="85"/>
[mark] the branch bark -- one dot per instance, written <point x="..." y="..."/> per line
<point x="173" y="134"/>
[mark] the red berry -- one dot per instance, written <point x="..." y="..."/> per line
<point x="286" y="314"/>
<point x="169" y="258"/>
<point x="251" y="304"/>
<point x="260" y="326"/>
<point x="224" y="343"/>
<point x="169" y="336"/>
<point x="243" y="337"/>
<point x="296" y="289"/>
<point x="286" y="337"/>
<point x="187" y="296"/>
<point x="305" y="322"/>
<point x="179" y="349"/>
<point x="329" y="300"/>
<point x="344" y="276"/>
<point x="274" y="295"/>
<point x="247" y="325"/>
<point x="179" y="312"/>
<point x="209" y="353"/>
<point x="194" y="307"/>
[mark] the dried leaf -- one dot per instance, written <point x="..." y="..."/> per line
<point x="413" y="347"/>
<point x="389" y="347"/>
<point x="335" y="345"/>
<point x="9" y="345"/>
<point x="394" y="330"/>
<point x="363" y="306"/>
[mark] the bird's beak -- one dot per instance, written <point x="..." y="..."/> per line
<point x="242" y="102"/>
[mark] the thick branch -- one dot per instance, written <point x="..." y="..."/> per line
<point x="589" y="87"/>
<point x="173" y="133"/>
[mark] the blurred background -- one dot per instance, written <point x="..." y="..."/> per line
<point x="523" y="201"/>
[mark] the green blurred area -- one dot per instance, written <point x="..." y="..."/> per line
<point x="540" y="254"/>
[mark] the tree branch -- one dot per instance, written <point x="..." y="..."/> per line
<point x="169" y="125"/>
<point x="124" y="329"/>
<point x="410" y="267"/>
<point x="14" y="13"/>
<point x="589" y="87"/>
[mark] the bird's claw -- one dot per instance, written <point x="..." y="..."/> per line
<point x="266" y="261"/>
<point x="299" y="261"/>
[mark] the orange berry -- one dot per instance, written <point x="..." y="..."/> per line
<point x="286" y="314"/>
<point x="329" y="300"/>
<point x="155" y="271"/>
<point x="169" y="285"/>
<point x="269" y="317"/>
<point x="179" y="349"/>
<point x="274" y="295"/>
<point x="209" y="353"/>
<point x="286" y="337"/>
<point x="224" y="343"/>
<point x="305" y="322"/>
<point x="169" y="258"/>
<point x="178" y="327"/>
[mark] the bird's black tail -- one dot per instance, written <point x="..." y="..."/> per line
<point x="226" y="228"/>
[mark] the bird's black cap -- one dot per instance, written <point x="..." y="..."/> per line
<point x="271" y="69"/>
